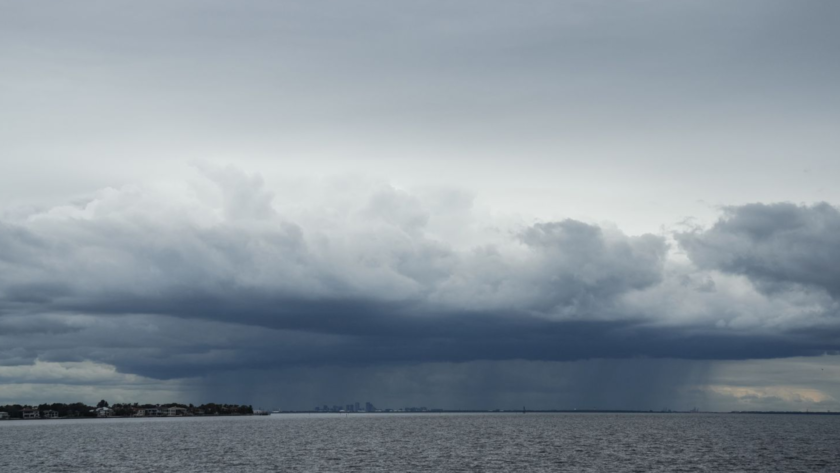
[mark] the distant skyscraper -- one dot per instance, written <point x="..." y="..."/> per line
<point x="369" y="407"/>
<point x="357" y="407"/>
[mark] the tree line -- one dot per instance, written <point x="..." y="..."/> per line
<point x="78" y="409"/>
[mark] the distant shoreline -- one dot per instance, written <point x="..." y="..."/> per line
<point x="468" y="411"/>
<point x="13" y="419"/>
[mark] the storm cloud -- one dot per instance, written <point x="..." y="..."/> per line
<point x="171" y="282"/>
<point x="778" y="247"/>
<point x="456" y="200"/>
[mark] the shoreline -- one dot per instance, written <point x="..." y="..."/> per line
<point x="797" y="413"/>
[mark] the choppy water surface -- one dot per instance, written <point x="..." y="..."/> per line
<point x="426" y="442"/>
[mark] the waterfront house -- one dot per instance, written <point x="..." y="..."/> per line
<point x="103" y="412"/>
<point x="150" y="412"/>
<point x="31" y="413"/>
<point x="50" y="415"/>
<point x="4" y="416"/>
<point x="176" y="411"/>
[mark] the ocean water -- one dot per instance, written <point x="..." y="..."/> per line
<point x="426" y="442"/>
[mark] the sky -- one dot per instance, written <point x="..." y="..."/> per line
<point x="471" y="204"/>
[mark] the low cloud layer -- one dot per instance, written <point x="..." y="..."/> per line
<point x="221" y="273"/>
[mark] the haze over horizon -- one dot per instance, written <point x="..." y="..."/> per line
<point x="564" y="204"/>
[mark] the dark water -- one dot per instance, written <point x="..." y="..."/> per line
<point x="446" y="442"/>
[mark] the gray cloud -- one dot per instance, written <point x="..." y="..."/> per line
<point x="778" y="247"/>
<point x="218" y="275"/>
<point x="552" y="113"/>
<point x="122" y="252"/>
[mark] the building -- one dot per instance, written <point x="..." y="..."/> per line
<point x="369" y="407"/>
<point x="50" y="415"/>
<point x="4" y="416"/>
<point x="150" y="412"/>
<point x="31" y="414"/>
<point x="175" y="411"/>
<point x="104" y="412"/>
<point x="165" y="412"/>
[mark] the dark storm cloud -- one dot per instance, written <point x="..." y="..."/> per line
<point x="169" y="285"/>
<point x="621" y="111"/>
<point x="778" y="246"/>
<point x="166" y="348"/>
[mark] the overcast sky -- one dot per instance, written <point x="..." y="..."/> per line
<point x="569" y="204"/>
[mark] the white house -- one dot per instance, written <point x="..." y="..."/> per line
<point x="31" y="414"/>
<point x="103" y="412"/>
<point x="4" y="416"/>
<point x="175" y="411"/>
<point x="150" y="412"/>
<point x="50" y="414"/>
